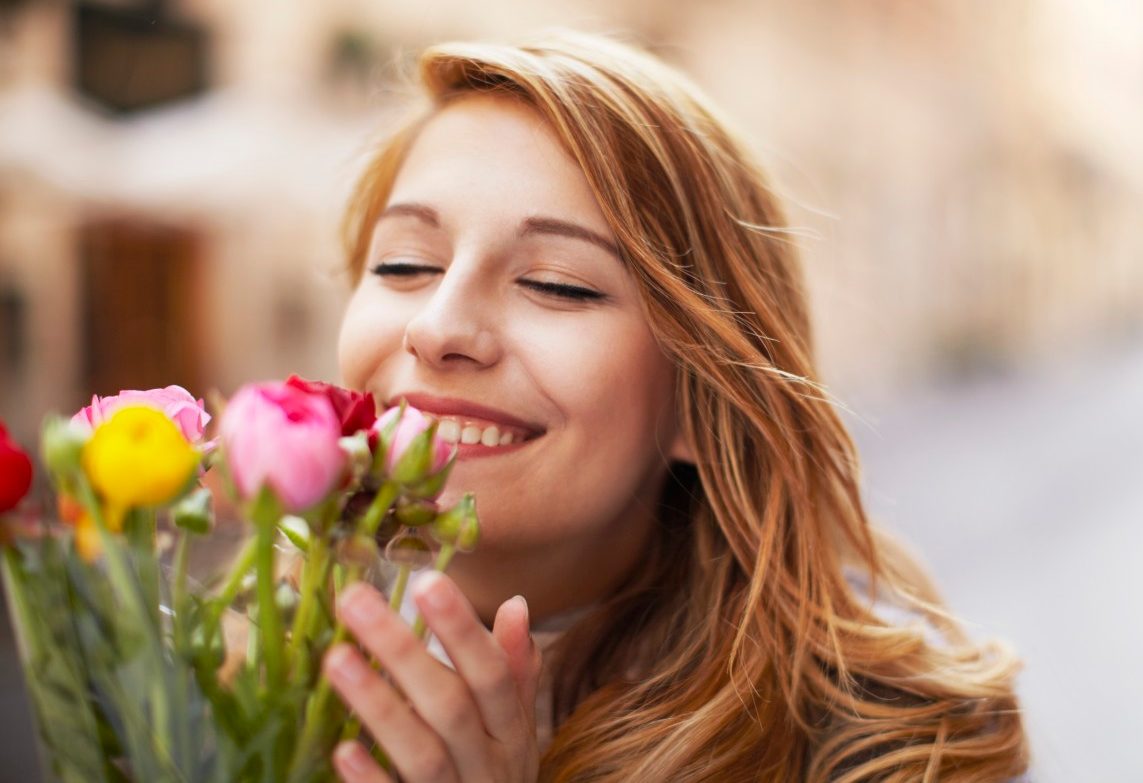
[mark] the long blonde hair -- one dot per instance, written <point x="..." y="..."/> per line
<point x="740" y="650"/>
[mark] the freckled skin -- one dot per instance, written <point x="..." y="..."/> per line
<point x="564" y="518"/>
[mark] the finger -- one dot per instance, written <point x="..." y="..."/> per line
<point x="416" y="751"/>
<point x="354" y="765"/>
<point x="512" y="630"/>
<point x="437" y="694"/>
<point x="481" y="662"/>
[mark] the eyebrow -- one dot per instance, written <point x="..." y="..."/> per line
<point x="423" y="213"/>
<point x="561" y="228"/>
<point x="533" y="226"/>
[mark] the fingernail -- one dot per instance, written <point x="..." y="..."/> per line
<point x="343" y="665"/>
<point x="359" y="606"/>
<point x="353" y="757"/>
<point x="523" y="602"/>
<point x="432" y="590"/>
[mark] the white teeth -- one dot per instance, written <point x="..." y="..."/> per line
<point x="449" y="430"/>
<point x="455" y="431"/>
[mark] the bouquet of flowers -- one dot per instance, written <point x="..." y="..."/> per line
<point x="136" y="671"/>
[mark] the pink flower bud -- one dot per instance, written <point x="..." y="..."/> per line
<point x="180" y="406"/>
<point x="413" y="452"/>
<point x="284" y="438"/>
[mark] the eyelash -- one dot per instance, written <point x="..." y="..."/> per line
<point x="569" y="292"/>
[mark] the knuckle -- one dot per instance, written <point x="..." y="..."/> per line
<point x="464" y="627"/>
<point x="384" y="709"/>
<point x="400" y="645"/>
<point x="495" y="676"/>
<point x="430" y="764"/>
<point x="495" y="680"/>
<point x="454" y="712"/>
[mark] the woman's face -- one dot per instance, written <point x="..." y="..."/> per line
<point x="493" y="278"/>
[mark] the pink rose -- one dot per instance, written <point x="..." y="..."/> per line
<point x="410" y="457"/>
<point x="180" y="406"/>
<point x="282" y="437"/>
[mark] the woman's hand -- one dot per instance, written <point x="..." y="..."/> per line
<point x="473" y="724"/>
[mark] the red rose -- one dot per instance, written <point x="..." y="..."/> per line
<point x="15" y="472"/>
<point x="355" y="410"/>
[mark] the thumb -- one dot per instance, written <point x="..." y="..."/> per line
<point x="512" y="631"/>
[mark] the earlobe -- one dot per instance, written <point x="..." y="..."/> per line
<point x="681" y="450"/>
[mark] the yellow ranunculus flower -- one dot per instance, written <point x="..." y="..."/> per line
<point x="138" y="457"/>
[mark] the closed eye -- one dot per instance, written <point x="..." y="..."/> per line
<point x="563" y="291"/>
<point x="559" y="290"/>
<point x="401" y="270"/>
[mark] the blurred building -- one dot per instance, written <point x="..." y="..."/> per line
<point x="172" y="174"/>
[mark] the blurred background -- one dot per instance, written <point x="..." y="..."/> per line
<point x="967" y="175"/>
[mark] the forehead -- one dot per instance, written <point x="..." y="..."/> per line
<point x="486" y="153"/>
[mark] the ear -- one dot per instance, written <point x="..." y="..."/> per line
<point x="681" y="449"/>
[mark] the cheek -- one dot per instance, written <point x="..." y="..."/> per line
<point x="370" y="333"/>
<point x="613" y="386"/>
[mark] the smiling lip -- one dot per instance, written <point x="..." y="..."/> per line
<point x="451" y="406"/>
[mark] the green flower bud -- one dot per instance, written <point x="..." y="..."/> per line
<point x="356" y="447"/>
<point x="62" y="444"/>
<point x="459" y="525"/>
<point x="359" y="551"/>
<point x="409" y="550"/>
<point x="432" y="486"/>
<point x="193" y="512"/>
<point x="285" y="597"/>
<point x="414" y="513"/>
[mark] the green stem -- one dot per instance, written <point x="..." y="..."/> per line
<point x="182" y="676"/>
<point x="179" y="591"/>
<point x="444" y="557"/>
<point x="242" y="565"/>
<point x="147" y="560"/>
<point x="123" y="580"/>
<point x="253" y="640"/>
<point x="130" y="592"/>
<point x="269" y="620"/>
<point x="399" y="587"/>
<point x="313" y="568"/>
<point x="378" y="508"/>
<point x="265" y="513"/>
<point x="224" y="599"/>
<point x="319" y="725"/>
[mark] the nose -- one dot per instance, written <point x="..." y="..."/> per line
<point x="455" y="327"/>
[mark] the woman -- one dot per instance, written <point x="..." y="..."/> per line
<point x="570" y="259"/>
